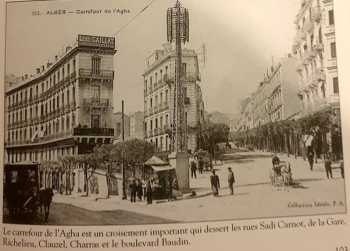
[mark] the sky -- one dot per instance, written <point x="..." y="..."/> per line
<point x="242" y="39"/>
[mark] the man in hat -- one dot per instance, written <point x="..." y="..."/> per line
<point x="230" y="180"/>
<point x="215" y="184"/>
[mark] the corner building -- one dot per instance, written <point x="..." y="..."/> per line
<point x="315" y="46"/>
<point x="66" y="107"/>
<point x="159" y="83"/>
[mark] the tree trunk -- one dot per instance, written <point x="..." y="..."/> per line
<point x="86" y="179"/>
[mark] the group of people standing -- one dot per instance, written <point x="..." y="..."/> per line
<point x="215" y="182"/>
<point x="140" y="189"/>
<point x="196" y="163"/>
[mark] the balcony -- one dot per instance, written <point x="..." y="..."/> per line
<point x="96" y="103"/>
<point x="102" y="74"/>
<point x="109" y="132"/>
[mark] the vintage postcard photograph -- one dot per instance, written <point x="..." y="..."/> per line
<point x="132" y="112"/>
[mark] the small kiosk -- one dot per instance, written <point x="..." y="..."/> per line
<point x="162" y="176"/>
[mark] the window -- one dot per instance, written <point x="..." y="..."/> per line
<point x="95" y="121"/>
<point x="96" y="64"/>
<point x="74" y="65"/>
<point x="320" y="35"/>
<point x="73" y="94"/>
<point x="62" y="124"/>
<point x="95" y="92"/>
<point x="333" y="50"/>
<point x="335" y="85"/>
<point x="331" y="17"/>
<point x="184" y="69"/>
<point x="118" y="129"/>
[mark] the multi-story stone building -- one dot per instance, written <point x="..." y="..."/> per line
<point x="315" y="46"/>
<point x="159" y="84"/>
<point x="66" y="107"/>
<point x="275" y="99"/>
<point x="137" y="125"/>
<point x="118" y="127"/>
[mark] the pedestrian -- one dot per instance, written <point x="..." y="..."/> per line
<point x="310" y="158"/>
<point x="231" y="180"/>
<point x="215" y="184"/>
<point x="328" y="166"/>
<point x="149" y="192"/>
<point x="144" y="184"/>
<point x="200" y="165"/>
<point x="170" y="186"/>
<point x="133" y="188"/>
<point x="193" y="165"/>
<point x="139" y="190"/>
<point x="342" y="168"/>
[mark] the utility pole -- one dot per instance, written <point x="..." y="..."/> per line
<point x="123" y="154"/>
<point x="178" y="32"/>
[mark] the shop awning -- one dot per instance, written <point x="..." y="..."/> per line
<point x="162" y="168"/>
<point x="155" y="161"/>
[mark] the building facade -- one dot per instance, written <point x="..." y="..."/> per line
<point x="137" y="125"/>
<point x="275" y="99"/>
<point x="315" y="47"/>
<point x="65" y="107"/>
<point x="159" y="82"/>
<point x="118" y="127"/>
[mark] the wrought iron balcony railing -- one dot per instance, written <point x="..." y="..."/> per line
<point x="93" y="131"/>
<point x="102" y="74"/>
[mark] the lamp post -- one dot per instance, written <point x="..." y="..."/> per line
<point x="123" y="154"/>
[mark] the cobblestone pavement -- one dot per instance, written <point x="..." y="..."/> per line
<point x="254" y="196"/>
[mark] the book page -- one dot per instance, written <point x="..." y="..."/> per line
<point x="155" y="124"/>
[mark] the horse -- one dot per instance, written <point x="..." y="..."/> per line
<point x="44" y="201"/>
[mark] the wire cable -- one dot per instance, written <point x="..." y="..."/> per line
<point x="133" y="18"/>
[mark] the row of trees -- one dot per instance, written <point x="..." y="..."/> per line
<point x="110" y="157"/>
<point x="104" y="157"/>
<point x="287" y="136"/>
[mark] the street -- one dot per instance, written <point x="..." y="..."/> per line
<point x="254" y="197"/>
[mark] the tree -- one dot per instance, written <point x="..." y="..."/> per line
<point x="212" y="134"/>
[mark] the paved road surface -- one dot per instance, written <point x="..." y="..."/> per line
<point x="63" y="214"/>
<point x="254" y="196"/>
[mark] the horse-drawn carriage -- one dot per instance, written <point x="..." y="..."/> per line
<point x="24" y="200"/>
<point x="281" y="173"/>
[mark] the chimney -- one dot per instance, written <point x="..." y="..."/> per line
<point x="56" y="57"/>
<point x="37" y="70"/>
<point x="68" y="48"/>
<point x="48" y="65"/>
<point x="43" y="68"/>
<point x="25" y="76"/>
